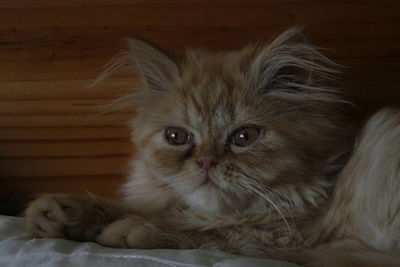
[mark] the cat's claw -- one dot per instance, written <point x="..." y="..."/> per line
<point x="59" y="215"/>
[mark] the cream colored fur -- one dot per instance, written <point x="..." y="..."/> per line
<point x="301" y="191"/>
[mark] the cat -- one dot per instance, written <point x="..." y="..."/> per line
<point x="247" y="151"/>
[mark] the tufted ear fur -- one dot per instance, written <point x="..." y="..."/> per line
<point x="158" y="70"/>
<point x="290" y="64"/>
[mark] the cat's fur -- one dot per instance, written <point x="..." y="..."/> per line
<point x="297" y="192"/>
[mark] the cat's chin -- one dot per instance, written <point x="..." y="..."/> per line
<point x="205" y="199"/>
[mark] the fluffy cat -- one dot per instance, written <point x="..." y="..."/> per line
<point x="246" y="151"/>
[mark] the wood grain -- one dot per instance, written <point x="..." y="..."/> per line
<point x="53" y="133"/>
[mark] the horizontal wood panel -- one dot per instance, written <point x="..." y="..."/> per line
<point x="64" y="89"/>
<point x="46" y="3"/>
<point x="27" y="188"/>
<point x="65" y="148"/>
<point x="63" y="133"/>
<point x="53" y="107"/>
<point x="67" y="166"/>
<point x="66" y="43"/>
<point x="193" y="15"/>
<point x="64" y="121"/>
<point x="175" y="14"/>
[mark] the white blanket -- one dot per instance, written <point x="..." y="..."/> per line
<point x="17" y="249"/>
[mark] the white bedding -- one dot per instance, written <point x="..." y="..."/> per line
<point x="17" y="249"/>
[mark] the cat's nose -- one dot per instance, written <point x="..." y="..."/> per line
<point x="206" y="163"/>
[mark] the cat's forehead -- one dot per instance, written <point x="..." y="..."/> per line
<point x="208" y="115"/>
<point x="206" y="67"/>
<point x="205" y="110"/>
<point x="214" y="91"/>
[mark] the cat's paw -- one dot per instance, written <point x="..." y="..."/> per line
<point x="63" y="216"/>
<point x="131" y="232"/>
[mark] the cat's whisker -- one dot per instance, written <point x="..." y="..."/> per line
<point x="262" y="193"/>
<point x="270" y="191"/>
<point x="264" y="196"/>
<point x="281" y="195"/>
<point x="293" y="226"/>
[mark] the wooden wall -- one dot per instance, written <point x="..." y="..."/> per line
<point x="52" y="136"/>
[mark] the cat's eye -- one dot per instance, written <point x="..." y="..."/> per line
<point x="177" y="136"/>
<point x="245" y="136"/>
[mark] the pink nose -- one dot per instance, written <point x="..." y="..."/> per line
<point x="206" y="163"/>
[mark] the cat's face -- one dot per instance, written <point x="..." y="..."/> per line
<point x="224" y="134"/>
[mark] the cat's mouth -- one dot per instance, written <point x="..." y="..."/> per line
<point x="208" y="180"/>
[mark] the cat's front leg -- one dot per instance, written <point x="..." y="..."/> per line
<point x="130" y="232"/>
<point x="72" y="217"/>
<point x="133" y="231"/>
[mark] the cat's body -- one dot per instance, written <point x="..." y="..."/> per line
<point x="247" y="152"/>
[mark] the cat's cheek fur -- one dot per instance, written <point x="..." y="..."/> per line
<point x="145" y="192"/>
<point x="161" y="157"/>
<point x="166" y="161"/>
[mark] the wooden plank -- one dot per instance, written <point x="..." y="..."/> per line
<point x="192" y="14"/>
<point x="47" y="3"/>
<point x="175" y="14"/>
<point x="72" y="61"/>
<point x="65" y="148"/>
<point x="28" y="121"/>
<point x="64" y="89"/>
<point x="26" y="189"/>
<point x="56" y="107"/>
<point x="66" y="166"/>
<point x="64" y="133"/>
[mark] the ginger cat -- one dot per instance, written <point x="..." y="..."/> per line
<point x="249" y="152"/>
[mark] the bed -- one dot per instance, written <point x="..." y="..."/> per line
<point x="18" y="249"/>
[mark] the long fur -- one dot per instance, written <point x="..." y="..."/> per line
<point x="302" y="191"/>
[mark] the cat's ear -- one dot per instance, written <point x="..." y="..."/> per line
<point x="292" y="36"/>
<point x="289" y="63"/>
<point x="158" y="70"/>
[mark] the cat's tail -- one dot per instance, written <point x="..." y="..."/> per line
<point x="362" y="224"/>
<point x="366" y="200"/>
